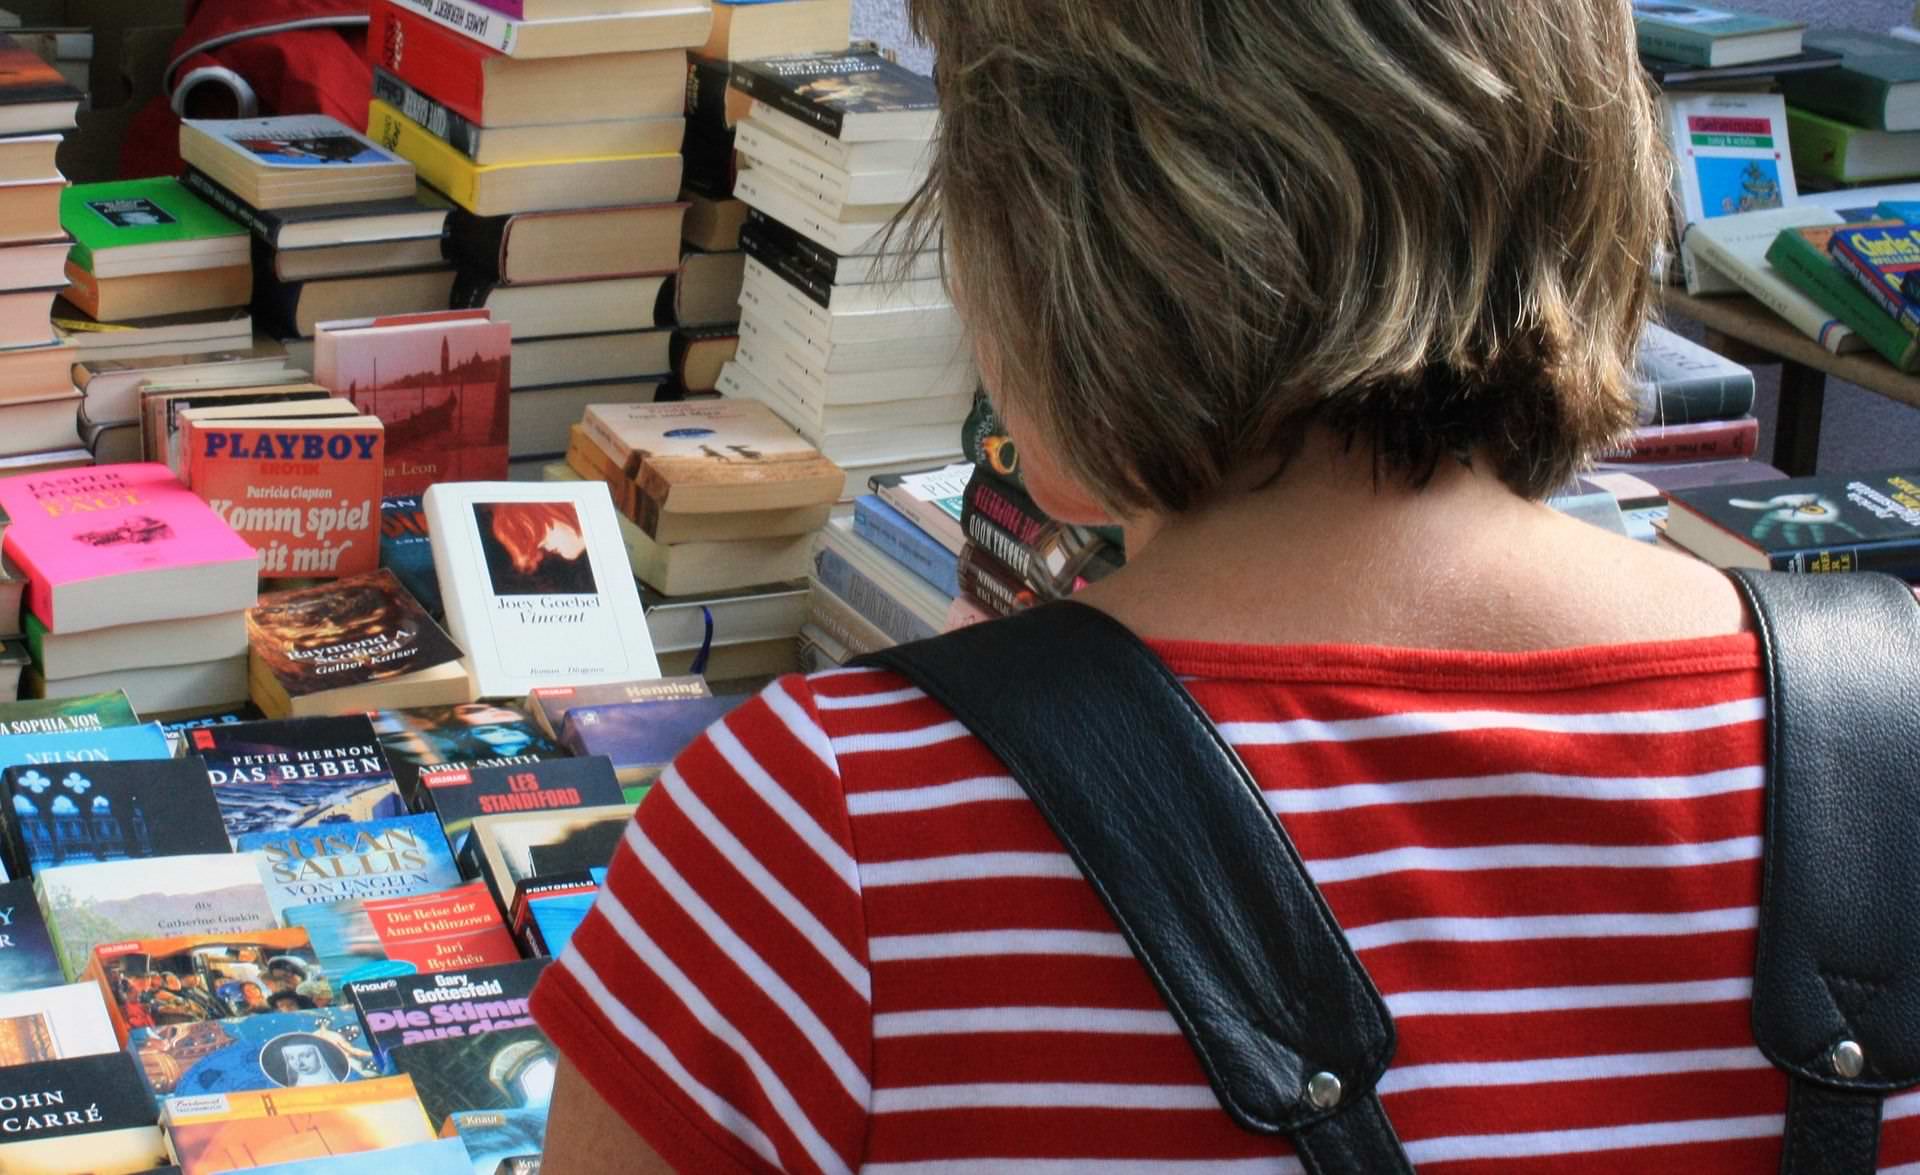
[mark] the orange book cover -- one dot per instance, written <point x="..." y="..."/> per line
<point x="304" y="493"/>
<point x="187" y="978"/>
<point x="237" y="1131"/>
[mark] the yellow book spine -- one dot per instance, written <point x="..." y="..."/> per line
<point x="437" y="163"/>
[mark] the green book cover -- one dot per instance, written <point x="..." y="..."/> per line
<point x="1823" y="147"/>
<point x="126" y="213"/>
<point x="58" y="715"/>
<point x="1687" y="32"/>
<point x="1800" y="257"/>
<point x="1859" y="89"/>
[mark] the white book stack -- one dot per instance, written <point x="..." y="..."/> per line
<point x="845" y="331"/>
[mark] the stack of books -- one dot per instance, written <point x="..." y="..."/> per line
<point x="1811" y="525"/>
<point x="38" y="403"/>
<point x="558" y="139"/>
<point x="1858" y="122"/>
<point x="873" y="370"/>
<point x="338" y="229"/>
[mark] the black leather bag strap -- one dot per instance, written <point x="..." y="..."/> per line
<point x="1175" y="836"/>
<point x="1836" y="988"/>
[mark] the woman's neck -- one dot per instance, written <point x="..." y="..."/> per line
<point x="1328" y="553"/>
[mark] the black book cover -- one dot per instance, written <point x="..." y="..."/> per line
<point x="790" y="267"/>
<point x="266" y="223"/>
<point x="823" y="90"/>
<point x="297" y="772"/>
<point x="448" y="125"/>
<point x="27" y="959"/>
<point x="1865" y="522"/>
<point x="78" y="813"/>
<point x="73" y="1096"/>
<point x="468" y="735"/>
<point x="592" y="847"/>
<point x="476" y="245"/>
<point x="777" y="238"/>
<point x="459" y="796"/>
<point x="511" y="1069"/>
<point x="708" y="148"/>
<point x="412" y="1009"/>
<point x="27" y="80"/>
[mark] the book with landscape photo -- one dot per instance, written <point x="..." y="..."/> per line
<point x="374" y="938"/>
<point x="343" y="861"/>
<point x="293" y="773"/>
<point x="412" y="1009"/>
<point x="1825" y="523"/>
<point x="78" y="1114"/>
<point x="712" y="456"/>
<point x="457" y="797"/>
<point x="109" y="811"/>
<point x="357" y="644"/>
<point x="123" y="901"/>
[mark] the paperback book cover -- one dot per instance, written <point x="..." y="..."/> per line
<point x="549" y="908"/>
<point x="500" y="1141"/>
<point x="1803" y="258"/>
<point x="439" y="383"/>
<point x="855" y="97"/>
<point x="122" y="544"/>
<point x="549" y="703"/>
<point x="61" y="1020"/>
<point x="254" y="1128"/>
<point x="92" y="1109"/>
<point x="126" y="901"/>
<point x="113" y="743"/>
<point x="458" y="796"/>
<point x="536" y="584"/>
<point x="114" y="223"/>
<point x="305" y="494"/>
<point x="511" y="1069"/>
<point x="110" y="811"/>
<point x="374" y="938"/>
<point x="443" y="1156"/>
<point x="362" y="640"/>
<point x="173" y="980"/>
<point x="278" y="774"/>
<point x="27" y="958"/>
<point x="712" y="456"/>
<point x="272" y="1050"/>
<point x="1868" y="522"/>
<point x="1730" y="151"/>
<point x="342" y="862"/>
<point x="1879" y="259"/>
<point x="406" y="549"/>
<point x="507" y="850"/>
<point x="57" y="715"/>
<point x="425" y="740"/>
<point x="641" y="738"/>
<point x="412" y="1009"/>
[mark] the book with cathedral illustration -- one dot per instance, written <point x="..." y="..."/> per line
<point x="87" y="1113"/>
<point x="290" y="773"/>
<point x="122" y="901"/>
<point x="438" y="381"/>
<point x="27" y="957"/>
<point x="72" y="813"/>
<point x="263" y="1050"/>
<point x="337" y="862"/>
<point x="357" y="644"/>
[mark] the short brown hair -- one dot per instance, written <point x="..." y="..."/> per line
<point x="1187" y="228"/>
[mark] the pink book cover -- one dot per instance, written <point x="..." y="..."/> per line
<point x="437" y="381"/>
<point x="73" y="525"/>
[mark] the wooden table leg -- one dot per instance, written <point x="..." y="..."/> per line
<point x="1796" y="433"/>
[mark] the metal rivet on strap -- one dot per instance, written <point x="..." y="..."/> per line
<point x="1323" y="1090"/>
<point x="1847" y="1058"/>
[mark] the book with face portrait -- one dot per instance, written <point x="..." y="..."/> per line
<point x="168" y="982"/>
<point x="422" y="741"/>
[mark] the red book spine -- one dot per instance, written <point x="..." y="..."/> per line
<point x="438" y="62"/>
<point x="1706" y="440"/>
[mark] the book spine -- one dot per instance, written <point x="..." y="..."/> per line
<point x="837" y="619"/>
<point x="1805" y="315"/>
<point x="868" y="598"/>
<point x="1850" y="97"/>
<point x="798" y="245"/>
<point x="709" y="139"/>
<point x="461" y="135"/>
<point x="1007" y="508"/>
<point x="484" y="26"/>
<point x="906" y="545"/>
<point x="437" y="163"/>
<point x="477" y="245"/>
<point x="431" y="59"/>
<point x="1870" y="279"/>
<point x="762" y="88"/>
<point x="1674" y="44"/>
<point x="789" y="268"/>
<point x="1709" y="441"/>
<point x="1900" y="558"/>
<point x="991" y="585"/>
<point x="265" y="230"/>
<point x="1815" y="274"/>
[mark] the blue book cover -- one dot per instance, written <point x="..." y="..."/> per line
<point x="495" y="1137"/>
<point x="557" y="914"/>
<point x="27" y="960"/>
<point x="112" y="743"/>
<point x="643" y="737"/>
<point x="442" y="1156"/>
<point x="906" y="544"/>
<point x="269" y="1050"/>
<point x="407" y="550"/>
<point x="412" y="1009"/>
<point x="362" y="859"/>
<point x="297" y="772"/>
<point x="112" y="811"/>
<point x="839" y="576"/>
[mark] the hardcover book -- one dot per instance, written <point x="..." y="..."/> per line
<point x="457" y="797"/>
<point x="341" y="862"/>
<point x="376" y="938"/>
<point x="1735" y="247"/>
<point x="123" y="901"/>
<point x="536" y="589"/>
<point x="1803" y="258"/>
<point x="27" y="958"/>
<point x="712" y="457"/>
<point x="1869" y="522"/>
<point x="439" y="383"/>
<point x="130" y="227"/>
<point x="855" y="97"/>
<point x="293" y="773"/>
<point x="1877" y="85"/>
<point x="293" y="161"/>
<point x="549" y="703"/>
<point x="356" y="644"/>
<point x="422" y="741"/>
<point x="1679" y="381"/>
<point x="643" y="737"/>
<point x="305" y="493"/>
<point x="511" y="1069"/>
<point x="412" y="1009"/>
<point x="122" y="544"/>
<point x="406" y="549"/>
<point x="1712" y="36"/>
<point x="265" y="1051"/>
<point x="90" y="1109"/>
<point x="507" y="850"/>
<point x="110" y="811"/>
<point x="227" y="1131"/>
<point x="172" y="980"/>
<point x="60" y="1020"/>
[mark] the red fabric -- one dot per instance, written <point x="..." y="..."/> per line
<point x="838" y="936"/>
<point x="305" y="71"/>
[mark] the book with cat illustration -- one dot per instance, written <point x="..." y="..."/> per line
<point x="1863" y="522"/>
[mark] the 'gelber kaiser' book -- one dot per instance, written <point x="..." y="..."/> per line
<point x="357" y="644"/>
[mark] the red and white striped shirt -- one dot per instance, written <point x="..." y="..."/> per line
<point x="838" y="937"/>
